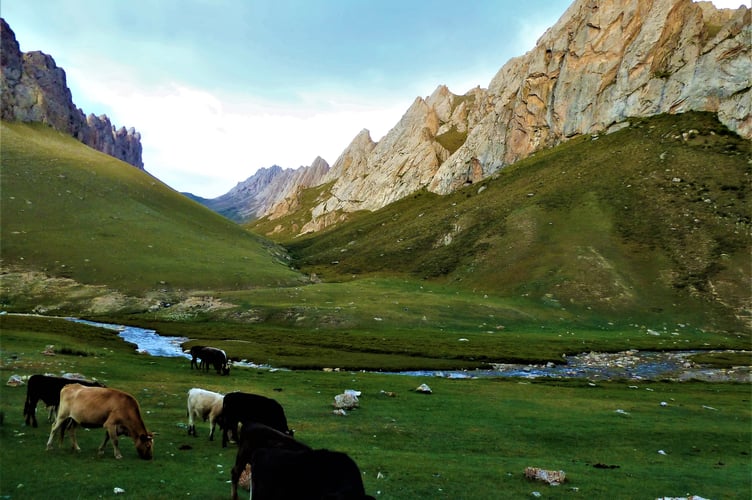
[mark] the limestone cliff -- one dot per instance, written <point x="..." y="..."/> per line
<point x="34" y="89"/>
<point x="603" y="62"/>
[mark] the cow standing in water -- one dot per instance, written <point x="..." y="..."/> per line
<point x="117" y="411"/>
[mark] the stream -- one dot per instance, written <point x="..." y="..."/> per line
<point x="631" y="365"/>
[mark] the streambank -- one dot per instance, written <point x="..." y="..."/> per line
<point x="629" y="365"/>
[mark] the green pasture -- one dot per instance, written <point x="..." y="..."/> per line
<point x="71" y="212"/>
<point x="393" y="324"/>
<point x="469" y="439"/>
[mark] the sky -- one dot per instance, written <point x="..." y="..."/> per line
<point x="221" y="88"/>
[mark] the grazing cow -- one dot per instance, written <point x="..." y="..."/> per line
<point x="205" y="405"/>
<point x="283" y="474"/>
<point x="254" y="436"/>
<point x="210" y="356"/>
<point x="117" y="411"/>
<point x="243" y="408"/>
<point x="47" y="389"/>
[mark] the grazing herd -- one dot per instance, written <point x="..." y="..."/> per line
<point x="256" y="423"/>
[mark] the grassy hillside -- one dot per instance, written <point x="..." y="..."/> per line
<point x="650" y="221"/>
<point x="89" y="220"/>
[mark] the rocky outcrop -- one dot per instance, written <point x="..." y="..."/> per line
<point x="267" y="192"/>
<point x="601" y="63"/>
<point x="34" y="89"/>
<point x="604" y="62"/>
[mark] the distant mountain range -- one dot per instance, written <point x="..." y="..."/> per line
<point x="269" y="189"/>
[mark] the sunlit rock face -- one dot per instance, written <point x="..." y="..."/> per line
<point x="34" y="89"/>
<point x="601" y="63"/>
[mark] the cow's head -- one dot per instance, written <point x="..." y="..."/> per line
<point x="145" y="446"/>
<point x="226" y="369"/>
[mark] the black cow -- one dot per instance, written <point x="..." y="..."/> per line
<point x="47" y="388"/>
<point x="283" y="474"/>
<point x="254" y="436"/>
<point x="243" y="408"/>
<point x="210" y="356"/>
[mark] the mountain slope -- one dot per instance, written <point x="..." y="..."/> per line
<point x="653" y="219"/>
<point x="601" y="63"/>
<point x="74" y="213"/>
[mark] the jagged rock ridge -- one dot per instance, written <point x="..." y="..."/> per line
<point x="34" y="89"/>
<point x="267" y="190"/>
<point x="601" y="63"/>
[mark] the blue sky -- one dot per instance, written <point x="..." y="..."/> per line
<point x="221" y="88"/>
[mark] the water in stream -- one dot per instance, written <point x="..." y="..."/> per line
<point x="632" y="365"/>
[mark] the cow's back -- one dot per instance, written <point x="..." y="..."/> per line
<point x="94" y="405"/>
<point x="244" y="408"/>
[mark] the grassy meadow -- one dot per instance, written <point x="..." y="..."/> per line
<point x="73" y="213"/>
<point x="469" y="439"/>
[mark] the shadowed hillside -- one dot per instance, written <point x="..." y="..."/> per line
<point x="82" y="224"/>
<point x="651" y="220"/>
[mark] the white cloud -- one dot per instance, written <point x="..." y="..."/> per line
<point x="205" y="143"/>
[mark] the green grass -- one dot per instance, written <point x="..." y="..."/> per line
<point x="73" y="213"/>
<point x="639" y="223"/>
<point x="390" y="324"/>
<point x="470" y="439"/>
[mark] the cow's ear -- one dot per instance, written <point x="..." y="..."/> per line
<point x="147" y="437"/>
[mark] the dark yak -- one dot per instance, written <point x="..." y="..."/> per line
<point x="243" y="408"/>
<point x="202" y="356"/>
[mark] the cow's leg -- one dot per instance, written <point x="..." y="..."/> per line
<point x="111" y="433"/>
<point x="59" y="426"/>
<point x="53" y="431"/>
<point x="191" y="424"/>
<point x="30" y="411"/>
<point x="211" y="432"/>
<point x="52" y="414"/>
<point x="74" y="442"/>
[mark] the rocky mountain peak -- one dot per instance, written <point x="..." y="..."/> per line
<point x="34" y="89"/>
<point x="600" y="64"/>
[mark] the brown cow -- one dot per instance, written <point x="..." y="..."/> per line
<point x="117" y="411"/>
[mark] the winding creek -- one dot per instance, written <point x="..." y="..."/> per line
<point x="632" y="365"/>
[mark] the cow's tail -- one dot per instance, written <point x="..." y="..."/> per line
<point x="27" y="410"/>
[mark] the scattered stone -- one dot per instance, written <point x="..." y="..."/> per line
<point x="340" y="413"/>
<point x="15" y="381"/>
<point x="346" y="401"/>
<point x="388" y="394"/>
<point x="552" y="477"/>
<point x="49" y="350"/>
<point x="118" y="491"/>
<point x="423" y="389"/>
